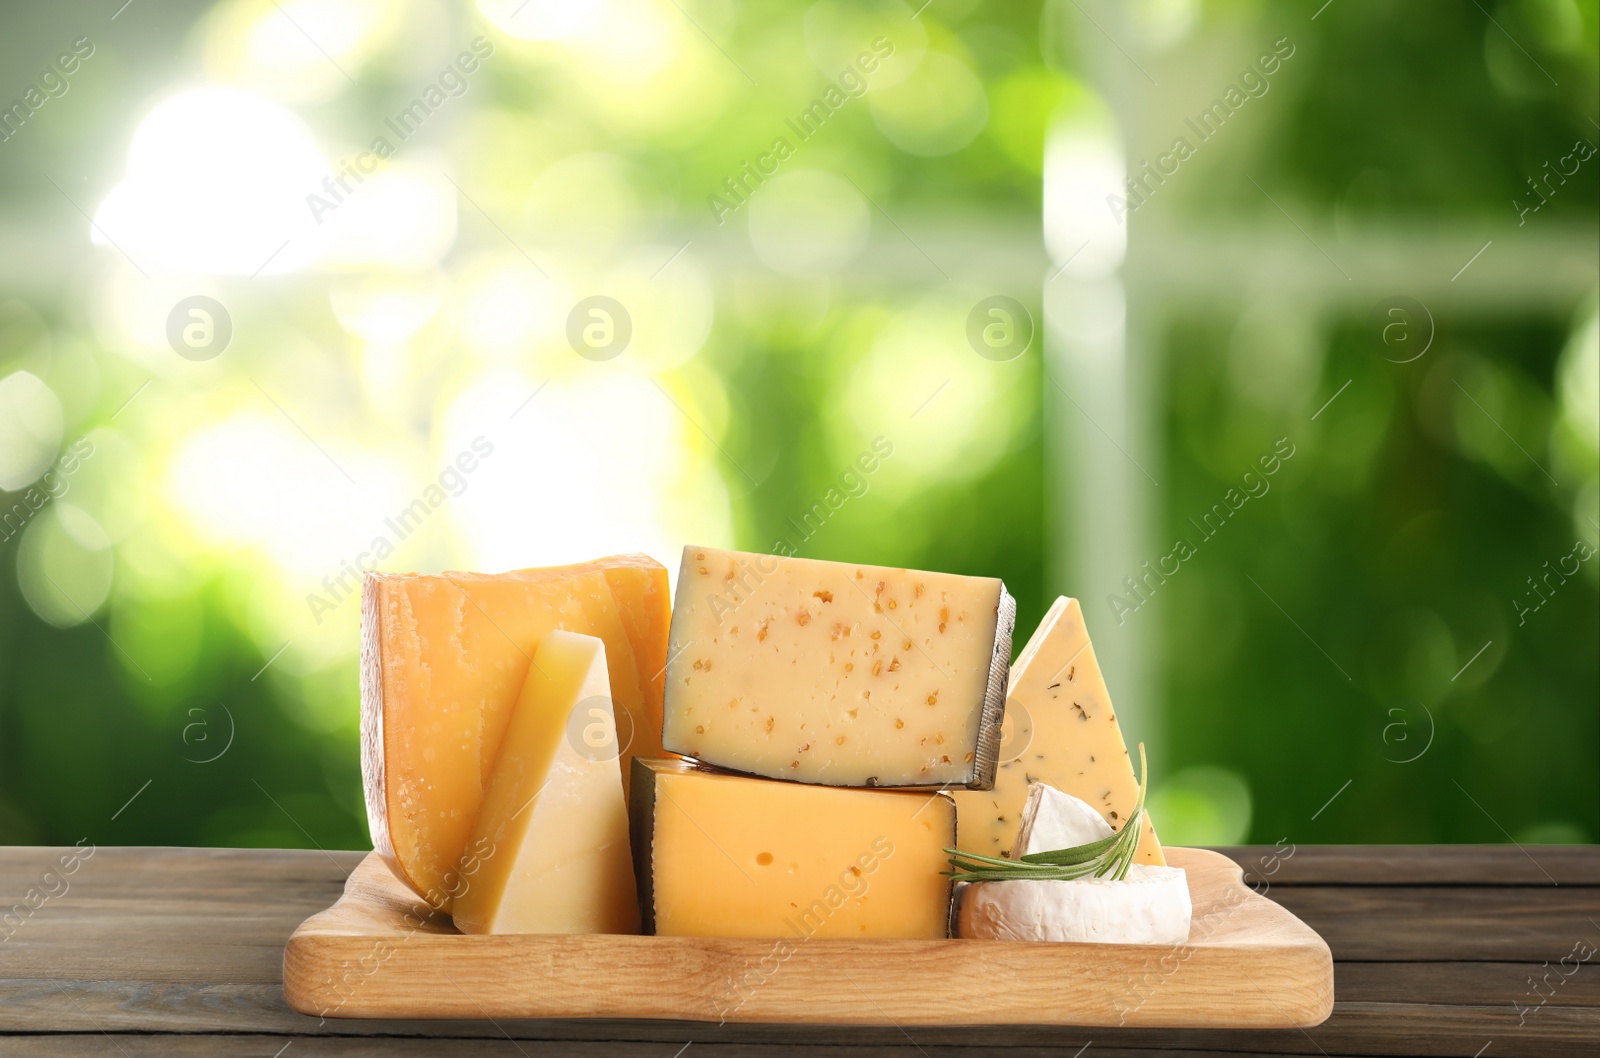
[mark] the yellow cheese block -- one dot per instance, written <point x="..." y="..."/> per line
<point x="721" y="855"/>
<point x="1060" y="729"/>
<point x="549" y="853"/>
<point x="443" y="660"/>
<point x="837" y="673"/>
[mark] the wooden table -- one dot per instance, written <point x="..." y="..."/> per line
<point x="155" y="951"/>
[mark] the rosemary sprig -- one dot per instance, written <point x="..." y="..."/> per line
<point x="1108" y="856"/>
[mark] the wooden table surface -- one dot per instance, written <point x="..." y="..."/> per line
<point x="1440" y="950"/>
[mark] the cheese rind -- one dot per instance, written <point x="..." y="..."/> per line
<point x="1060" y="718"/>
<point x="443" y="660"/>
<point x="720" y="855"/>
<point x="639" y="587"/>
<point x="1151" y="906"/>
<point x="550" y="847"/>
<point x="835" y="673"/>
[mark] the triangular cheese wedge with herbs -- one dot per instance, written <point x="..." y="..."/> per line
<point x="549" y="853"/>
<point x="443" y="660"/>
<point x="1059" y="729"/>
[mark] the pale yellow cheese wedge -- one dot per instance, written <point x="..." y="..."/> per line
<point x="837" y="673"/>
<point x="1061" y="729"/>
<point x="443" y="660"/>
<point x="549" y="852"/>
<point x="721" y="855"/>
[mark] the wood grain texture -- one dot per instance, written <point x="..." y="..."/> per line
<point x="1390" y="865"/>
<point x="380" y="952"/>
<point x="75" y="1046"/>
<point x="1424" y="923"/>
<point x="179" y="951"/>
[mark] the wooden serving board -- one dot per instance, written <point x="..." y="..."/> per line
<point x="379" y="952"/>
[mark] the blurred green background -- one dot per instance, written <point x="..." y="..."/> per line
<point x="1336" y="549"/>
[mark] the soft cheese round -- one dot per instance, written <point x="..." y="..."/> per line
<point x="1054" y="820"/>
<point x="1150" y="906"/>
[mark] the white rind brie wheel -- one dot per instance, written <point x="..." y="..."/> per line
<point x="1151" y="906"/>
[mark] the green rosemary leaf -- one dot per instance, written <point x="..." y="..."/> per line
<point x="1052" y="874"/>
<point x="1111" y="856"/>
<point x="980" y="858"/>
<point x="1080" y="854"/>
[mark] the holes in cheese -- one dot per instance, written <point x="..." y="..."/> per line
<point x="836" y="673"/>
<point x="720" y="855"/>
<point x="443" y="661"/>
<point x="549" y="852"/>
<point x="1060" y="729"/>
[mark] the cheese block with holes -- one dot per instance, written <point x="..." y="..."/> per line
<point x="1061" y="729"/>
<point x="837" y="673"/>
<point x="719" y="855"/>
<point x="443" y="660"/>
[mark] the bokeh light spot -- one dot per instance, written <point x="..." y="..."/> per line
<point x="808" y="222"/>
<point x="1201" y="806"/>
<point x="64" y="565"/>
<point x="30" y="429"/>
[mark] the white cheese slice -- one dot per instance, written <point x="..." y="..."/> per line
<point x="1054" y="820"/>
<point x="1151" y="906"/>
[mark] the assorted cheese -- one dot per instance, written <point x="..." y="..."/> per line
<point x="443" y="661"/>
<point x="721" y="855"/>
<point x="1055" y="820"/>
<point x="550" y="847"/>
<point x="837" y="673"/>
<point x="1150" y="906"/>
<point x="517" y="732"/>
<point x="1060" y="719"/>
